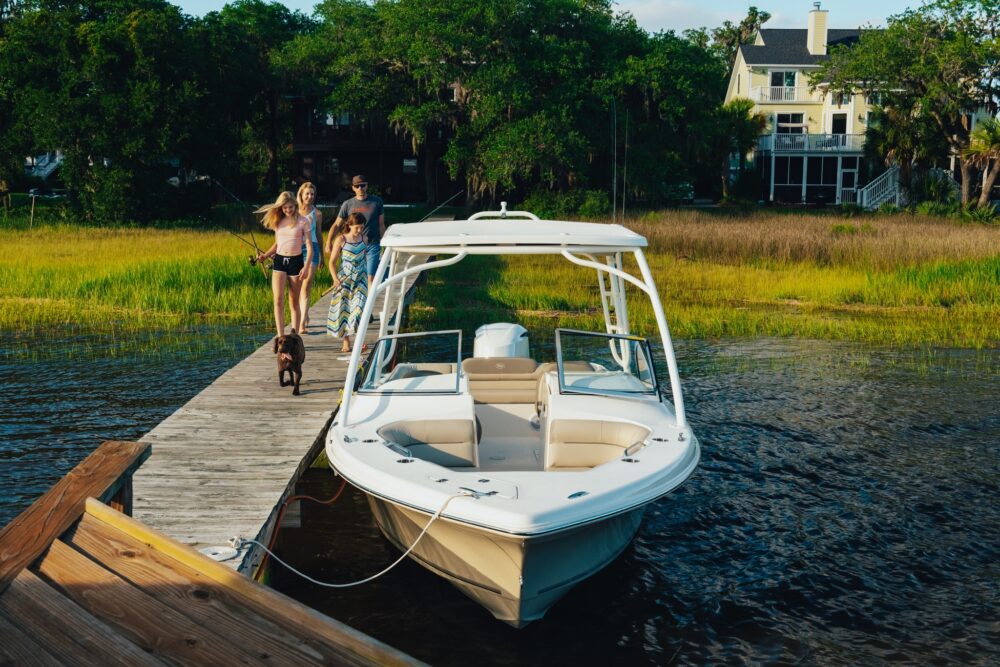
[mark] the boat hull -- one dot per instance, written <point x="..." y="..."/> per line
<point x="516" y="577"/>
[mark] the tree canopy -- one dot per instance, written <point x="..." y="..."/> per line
<point x="514" y="96"/>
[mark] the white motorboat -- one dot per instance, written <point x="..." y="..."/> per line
<point x="532" y="474"/>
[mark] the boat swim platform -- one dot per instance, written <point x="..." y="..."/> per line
<point x="226" y="461"/>
<point x="82" y="583"/>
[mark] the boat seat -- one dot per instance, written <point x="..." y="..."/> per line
<point x="446" y="442"/>
<point x="585" y="443"/>
<point x="502" y="379"/>
<point x="510" y="379"/>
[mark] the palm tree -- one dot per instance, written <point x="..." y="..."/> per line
<point x="902" y="136"/>
<point x="737" y="130"/>
<point x="984" y="153"/>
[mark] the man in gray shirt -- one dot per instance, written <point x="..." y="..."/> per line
<point x="369" y="206"/>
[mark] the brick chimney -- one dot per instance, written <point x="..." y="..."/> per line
<point x="816" y="35"/>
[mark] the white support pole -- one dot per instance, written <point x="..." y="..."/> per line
<point x="668" y="348"/>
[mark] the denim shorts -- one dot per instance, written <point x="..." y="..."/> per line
<point x="290" y="264"/>
<point x="317" y="252"/>
<point x="372" y="256"/>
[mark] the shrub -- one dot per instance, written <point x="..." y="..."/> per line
<point x="888" y="208"/>
<point x="562" y="205"/>
<point x="982" y="214"/>
<point x="934" y="186"/>
<point x="935" y="208"/>
<point x="844" y="229"/>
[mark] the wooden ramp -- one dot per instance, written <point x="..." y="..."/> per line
<point x="81" y="583"/>
<point x="227" y="459"/>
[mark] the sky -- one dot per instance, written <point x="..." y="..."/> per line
<point x="656" y="15"/>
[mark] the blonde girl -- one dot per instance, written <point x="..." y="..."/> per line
<point x="290" y="230"/>
<point x="350" y="281"/>
<point x="306" y="198"/>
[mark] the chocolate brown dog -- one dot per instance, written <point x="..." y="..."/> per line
<point x="291" y="353"/>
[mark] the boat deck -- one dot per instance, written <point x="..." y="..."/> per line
<point x="520" y="447"/>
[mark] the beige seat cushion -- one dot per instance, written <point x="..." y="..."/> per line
<point x="501" y="379"/>
<point x="585" y="443"/>
<point x="446" y="442"/>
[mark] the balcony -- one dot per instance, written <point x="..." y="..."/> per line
<point x="784" y="95"/>
<point x="812" y="143"/>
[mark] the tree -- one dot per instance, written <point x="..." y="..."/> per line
<point x="730" y="36"/>
<point x="512" y="87"/>
<point x="941" y="61"/>
<point x="984" y="153"/>
<point x="900" y="136"/>
<point x="251" y="37"/>
<point x="735" y="129"/>
<point x="112" y="90"/>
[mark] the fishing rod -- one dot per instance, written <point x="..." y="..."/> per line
<point x="252" y="259"/>
<point x="441" y="206"/>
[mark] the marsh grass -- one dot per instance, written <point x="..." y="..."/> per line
<point x="129" y="279"/>
<point x="900" y="281"/>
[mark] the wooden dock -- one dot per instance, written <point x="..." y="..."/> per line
<point x="228" y="459"/>
<point x="81" y="583"/>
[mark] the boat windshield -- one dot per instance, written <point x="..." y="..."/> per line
<point x="600" y="363"/>
<point x="414" y="363"/>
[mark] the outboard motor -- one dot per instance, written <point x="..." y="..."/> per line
<point x="501" y="339"/>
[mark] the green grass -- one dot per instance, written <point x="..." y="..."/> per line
<point x="906" y="281"/>
<point x="131" y="279"/>
<point x="899" y="281"/>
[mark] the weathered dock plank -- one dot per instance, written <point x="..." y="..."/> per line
<point x="227" y="459"/>
<point x="107" y="590"/>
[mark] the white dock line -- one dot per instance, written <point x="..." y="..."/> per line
<point x="238" y="543"/>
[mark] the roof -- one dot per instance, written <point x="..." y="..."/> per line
<point x="787" y="46"/>
<point x="509" y="232"/>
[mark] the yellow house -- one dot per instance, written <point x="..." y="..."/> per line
<point x="813" y="146"/>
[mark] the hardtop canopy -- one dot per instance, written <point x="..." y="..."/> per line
<point x="510" y="232"/>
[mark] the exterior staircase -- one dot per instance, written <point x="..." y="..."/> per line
<point x="883" y="190"/>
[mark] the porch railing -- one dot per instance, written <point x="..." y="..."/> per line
<point x="778" y="94"/>
<point x="811" y="143"/>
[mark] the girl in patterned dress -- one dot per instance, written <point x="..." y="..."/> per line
<point x="350" y="284"/>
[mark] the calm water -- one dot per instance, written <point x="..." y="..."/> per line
<point x="845" y="511"/>
<point x="63" y="395"/>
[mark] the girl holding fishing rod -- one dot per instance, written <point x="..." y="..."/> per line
<point x="291" y="230"/>
<point x="306" y="198"/>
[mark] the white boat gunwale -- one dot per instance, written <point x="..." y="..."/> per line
<point x="689" y="468"/>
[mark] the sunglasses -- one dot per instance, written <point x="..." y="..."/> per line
<point x="362" y="186"/>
